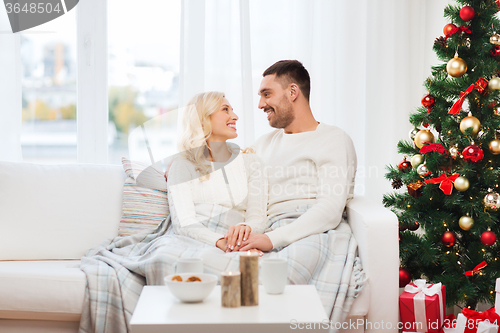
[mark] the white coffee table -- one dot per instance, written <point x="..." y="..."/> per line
<point x="158" y="310"/>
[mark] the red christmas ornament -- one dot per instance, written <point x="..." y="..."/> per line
<point x="481" y="85"/>
<point x="448" y="239"/>
<point x="414" y="226"/>
<point x="472" y="153"/>
<point x="488" y="238"/>
<point x="467" y="13"/>
<point x="405" y="166"/>
<point x="428" y="101"/>
<point x="404" y="277"/>
<point x="495" y="52"/>
<point x="448" y="29"/>
<point x="402" y="226"/>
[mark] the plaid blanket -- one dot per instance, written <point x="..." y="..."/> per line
<point x="117" y="269"/>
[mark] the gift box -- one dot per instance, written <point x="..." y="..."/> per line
<point x="422" y="307"/>
<point x="487" y="327"/>
<point x="497" y="296"/>
<point x="470" y="321"/>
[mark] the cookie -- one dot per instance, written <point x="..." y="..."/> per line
<point x="193" y="279"/>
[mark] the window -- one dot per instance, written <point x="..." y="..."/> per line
<point x="48" y="55"/>
<point x="143" y="76"/>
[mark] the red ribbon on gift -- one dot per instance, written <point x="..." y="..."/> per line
<point x="449" y="322"/>
<point x="446" y="182"/>
<point x="476" y="317"/>
<point x="428" y="147"/>
<point x="476" y="269"/>
<point x="462" y="28"/>
<point x="455" y="109"/>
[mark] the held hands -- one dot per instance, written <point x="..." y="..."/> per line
<point x="257" y="241"/>
<point x="221" y="244"/>
<point x="240" y="238"/>
<point x="235" y="236"/>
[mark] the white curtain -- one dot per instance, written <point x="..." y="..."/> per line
<point x="10" y="92"/>
<point x="367" y="61"/>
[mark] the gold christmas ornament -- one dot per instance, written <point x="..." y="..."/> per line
<point x="495" y="39"/>
<point x="423" y="136"/>
<point x="454" y="152"/>
<point x="456" y="67"/>
<point x="494" y="83"/>
<point x="416" y="160"/>
<point x="461" y="184"/>
<point x="470" y="122"/>
<point x="466" y="222"/>
<point x="494" y="146"/>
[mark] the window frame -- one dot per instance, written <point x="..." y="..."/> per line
<point x="92" y="82"/>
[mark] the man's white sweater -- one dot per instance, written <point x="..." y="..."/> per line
<point x="315" y="167"/>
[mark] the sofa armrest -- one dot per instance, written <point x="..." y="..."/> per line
<point x="376" y="231"/>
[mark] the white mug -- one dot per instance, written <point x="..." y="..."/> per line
<point x="189" y="265"/>
<point x="274" y="275"/>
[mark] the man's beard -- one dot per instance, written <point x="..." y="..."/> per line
<point x="284" y="116"/>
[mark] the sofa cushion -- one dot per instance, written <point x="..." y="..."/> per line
<point x="41" y="290"/>
<point x="57" y="211"/>
<point x="145" y="175"/>
<point x="145" y="202"/>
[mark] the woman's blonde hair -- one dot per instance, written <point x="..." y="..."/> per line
<point x="197" y="128"/>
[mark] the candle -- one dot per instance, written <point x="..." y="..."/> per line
<point x="230" y="289"/>
<point x="249" y="268"/>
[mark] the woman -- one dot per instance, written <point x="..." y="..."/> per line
<point x="216" y="194"/>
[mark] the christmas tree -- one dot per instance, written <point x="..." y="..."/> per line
<point x="451" y="167"/>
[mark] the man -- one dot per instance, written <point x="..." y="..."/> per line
<point x="310" y="165"/>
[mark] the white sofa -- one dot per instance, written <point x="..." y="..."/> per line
<point x="50" y="215"/>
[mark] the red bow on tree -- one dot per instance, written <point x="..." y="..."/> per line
<point x="476" y="269"/>
<point x="428" y="147"/>
<point x="455" y="109"/>
<point x="462" y="28"/>
<point x="446" y="182"/>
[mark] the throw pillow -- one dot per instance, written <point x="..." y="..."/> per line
<point x="145" y="202"/>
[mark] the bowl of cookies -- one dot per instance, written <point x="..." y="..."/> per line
<point x="191" y="287"/>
